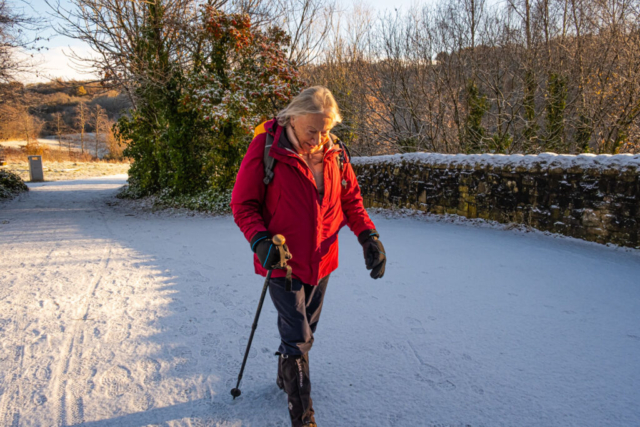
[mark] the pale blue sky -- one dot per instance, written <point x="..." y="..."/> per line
<point x="54" y="63"/>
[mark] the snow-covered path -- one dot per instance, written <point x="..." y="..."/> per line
<point x="110" y="317"/>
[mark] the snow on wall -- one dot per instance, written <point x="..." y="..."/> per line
<point x="593" y="197"/>
<point x="565" y="161"/>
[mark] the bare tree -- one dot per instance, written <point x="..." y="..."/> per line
<point x="14" y="27"/>
<point x="100" y="121"/>
<point x="59" y="127"/>
<point x="30" y="125"/>
<point x="308" y="22"/>
<point x="81" y="119"/>
<point x="115" y="30"/>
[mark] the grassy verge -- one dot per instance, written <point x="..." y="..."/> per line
<point x="60" y="171"/>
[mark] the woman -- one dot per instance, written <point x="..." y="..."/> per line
<point x="312" y="194"/>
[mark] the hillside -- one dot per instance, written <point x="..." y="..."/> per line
<point x="44" y="109"/>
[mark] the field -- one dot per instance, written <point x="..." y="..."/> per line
<point x="62" y="171"/>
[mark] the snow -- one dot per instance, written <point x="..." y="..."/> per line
<point x="565" y="161"/>
<point x="114" y="316"/>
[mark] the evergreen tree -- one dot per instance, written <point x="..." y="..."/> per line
<point x="473" y="129"/>
<point x="556" y="104"/>
<point x="531" y="129"/>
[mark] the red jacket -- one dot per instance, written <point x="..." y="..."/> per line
<point x="291" y="205"/>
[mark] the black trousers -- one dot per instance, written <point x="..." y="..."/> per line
<point x="298" y="313"/>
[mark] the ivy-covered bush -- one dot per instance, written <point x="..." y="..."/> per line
<point x="188" y="135"/>
<point x="11" y="185"/>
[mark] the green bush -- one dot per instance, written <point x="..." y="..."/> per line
<point x="192" y="125"/>
<point x="11" y="185"/>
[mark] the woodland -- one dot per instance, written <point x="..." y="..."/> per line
<point x="193" y="78"/>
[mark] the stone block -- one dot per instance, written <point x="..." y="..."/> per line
<point x="629" y="175"/>
<point x="423" y="196"/>
<point x="577" y="170"/>
<point x="597" y="231"/>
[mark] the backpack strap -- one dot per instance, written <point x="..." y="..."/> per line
<point x="344" y="156"/>
<point x="269" y="162"/>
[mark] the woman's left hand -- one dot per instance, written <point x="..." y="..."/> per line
<point x="375" y="257"/>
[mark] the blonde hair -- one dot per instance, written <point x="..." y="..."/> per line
<point x="312" y="100"/>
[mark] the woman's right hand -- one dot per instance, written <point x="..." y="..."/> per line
<point x="268" y="253"/>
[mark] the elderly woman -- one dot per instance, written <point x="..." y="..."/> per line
<point x="311" y="194"/>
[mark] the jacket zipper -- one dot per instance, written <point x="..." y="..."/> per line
<point x="316" y="184"/>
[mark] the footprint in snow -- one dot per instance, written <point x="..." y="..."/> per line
<point x="428" y="373"/>
<point x="116" y="381"/>
<point x="42" y="372"/>
<point x="142" y="402"/>
<point x="149" y="370"/>
<point x="81" y="387"/>
<point x="117" y="333"/>
<point x="38" y="399"/>
<point x="210" y="340"/>
<point x="415" y="325"/>
<point x="477" y="390"/>
<point x="189" y="329"/>
<point x="230" y="323"/>
<point x="444" y="385"/>
<point x="252" y="353"/>
<point x="198" y="290"/>
<point x="412" y="321"/>
<point x="183" y="359"/>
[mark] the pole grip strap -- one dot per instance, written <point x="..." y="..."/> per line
<point x="285" y="256"/>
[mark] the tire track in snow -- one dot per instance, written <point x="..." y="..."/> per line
<point x="70" y="408"/>
<point x="12" y="397"/>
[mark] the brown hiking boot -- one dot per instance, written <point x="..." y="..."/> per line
<point x="297" y="385"/>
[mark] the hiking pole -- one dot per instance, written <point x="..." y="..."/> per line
<point x="279" y="241"/>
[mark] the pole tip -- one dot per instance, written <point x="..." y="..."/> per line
<point x="235" y="392"/>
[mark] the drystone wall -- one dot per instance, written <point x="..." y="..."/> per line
<point x="596" y="198"/>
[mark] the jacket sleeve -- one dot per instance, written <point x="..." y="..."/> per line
<point x="249" y="190"/>
<point x="356" y="216"/>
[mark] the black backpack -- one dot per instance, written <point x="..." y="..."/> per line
<point x="270" y="162"/>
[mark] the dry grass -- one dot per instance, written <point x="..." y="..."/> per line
<point x="48" y="152"/>
<point x="66" y="170"/>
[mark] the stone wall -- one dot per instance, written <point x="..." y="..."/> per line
<point x="591" y="197"/>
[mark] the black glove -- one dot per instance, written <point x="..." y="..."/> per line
<point x="267" y="252"/>
<point x="375" y="257"/>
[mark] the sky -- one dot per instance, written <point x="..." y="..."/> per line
<point x="53" y="61"/>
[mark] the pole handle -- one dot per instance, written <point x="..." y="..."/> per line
<point x="278" y="240"/>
